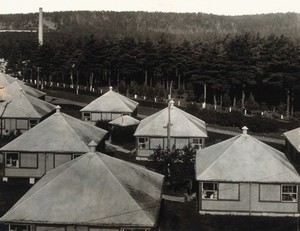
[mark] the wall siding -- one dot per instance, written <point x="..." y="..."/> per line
<point x="247" y="204"/>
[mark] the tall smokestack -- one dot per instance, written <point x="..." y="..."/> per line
<point x="40" y="26"/>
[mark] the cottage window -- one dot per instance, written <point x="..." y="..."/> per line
<point x="32" y="123"/>
<point x="86" y="116"/>
<point x="156" y="143"/>
<point x="76" y="156"/>
<point x="22" y="124"/>
<point x="210" y="191"/>
<point x="228" y="191"/>
<point x="143" y="143"/>
<point x="28" y="160"/>
<point x="196" y="143"/>
<point x="12" y="160"/>
<point x="289" y="193"/>
<point x="95" y="117"/>
<point x="269" y="192"/>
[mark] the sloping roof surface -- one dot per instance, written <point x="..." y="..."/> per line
<point x="57" y="133"/>
<point x="293" y="137"/>
<point x="22" y="105"/>
<point x="94" y="189"/>
<point x="5" y="80"/>
<point x="111" y="102"/>
<point x="183" y="124"/>
<point x="124" y="121"/>
<point x="244" y="159"/>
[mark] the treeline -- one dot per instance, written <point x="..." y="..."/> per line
<point x="238" y="70"/>
<point x="190" y="26"/>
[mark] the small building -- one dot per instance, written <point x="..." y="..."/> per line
<point x="91" y="193"/>
<point x="122" y="129"/>
<point x="108" y="107"/>
<point x="56" y="140"/>
<point x="20" y="111"/>
<point x="5" y="80"/>
<point x="185" y="129"/>
<point x="292" y="144"/>
<point x="243" y="176"/>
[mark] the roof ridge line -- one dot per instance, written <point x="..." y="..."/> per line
<point x="287" y="166"/>
<point x="75" y="132"/>
<point x="140" y="208"/>
<point x="237" y="138"/>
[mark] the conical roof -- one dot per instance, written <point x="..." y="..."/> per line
<point x="94" y="189"/>
<point x="124" y="121"/>
<point x="111" y="101"/>
<point x="244" y="159"/>
<point x="18" y="104"/>
<point x="5" y="80"/>
<point x="182" y="124"/>
<point x="57" y="133"/>
<point x="293" y="136"/>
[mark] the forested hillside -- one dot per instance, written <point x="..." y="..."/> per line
<point x="189" y="26"/>
<point x="243" y="61"/>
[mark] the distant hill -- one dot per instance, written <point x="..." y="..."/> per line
<point x="190" y="26"/>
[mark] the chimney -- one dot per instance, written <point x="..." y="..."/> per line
<point x="110" y="88"/>
<point x="40" y="26"/>
<point x="245" y="129"/>
<point x="57" y="109"/>
<point x="92" y="146"/>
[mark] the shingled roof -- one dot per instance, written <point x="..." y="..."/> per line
<point x="243" y="158"/>
<point x="57" y="133"/>
<point x="18" y="104"/>
<point x="183" y="124"/>
<point x="111" y="101"/>
<point x="94" y="189"/>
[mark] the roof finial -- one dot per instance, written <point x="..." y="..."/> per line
<point x="57" y="109"/>
<point x="245" y="129"/>
<point x="92" y="146"/>
<point x="110" y="88"/>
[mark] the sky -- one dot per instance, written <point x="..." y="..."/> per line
<point x="220" y="7"/>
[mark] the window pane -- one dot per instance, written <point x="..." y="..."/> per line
<point x="96" y="116"/>
<point x="181" y="142"/>
<point x="289" y="193"/>
<point x="61" y="159"/>
<point x="115" y="116"/>
<point x="156" y="142"/>
<point x="12" y="160"/>
<point x="228" y="191"/>
<point x="269" y="192"/>
<point x="29" y="160"/>
<point x="22" y="124"/>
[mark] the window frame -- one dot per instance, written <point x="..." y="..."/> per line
<point x="17" y="165"/>
<point x="76" y="155"/>
<point x="26" y="167"/>
<point x="146" y="143"/>
<point x="86" y="117"/>
<point x="214" y="191"/>
<point x="197" y="145"/>
<point x="22" y="128"/>
<point x="291" y="194"/>
<point x="30" y="123"/>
